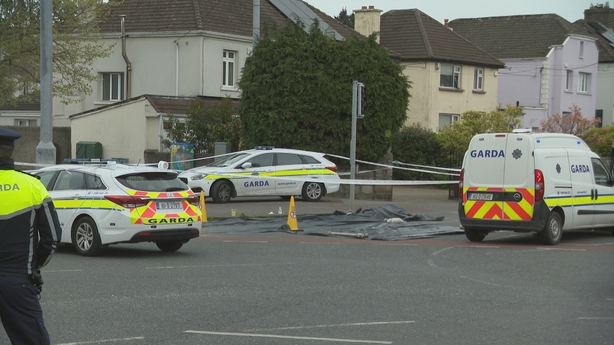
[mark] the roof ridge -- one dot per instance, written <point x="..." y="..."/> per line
<point x="197" y="16"/>
<point x="425" y="37"/>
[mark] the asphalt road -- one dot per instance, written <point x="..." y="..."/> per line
<point x="281" y="289"/>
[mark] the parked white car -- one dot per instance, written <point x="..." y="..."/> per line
<point x="265" y="171"/>
<point x="105" y="204"/>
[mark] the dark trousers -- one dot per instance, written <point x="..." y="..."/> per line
<point x="21" y="313"/>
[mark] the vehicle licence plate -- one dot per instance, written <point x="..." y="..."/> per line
<point x="480" y="196"/>
<point x="168" y="205"/>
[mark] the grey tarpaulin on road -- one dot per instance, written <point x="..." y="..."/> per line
<point x="368" y="223"/>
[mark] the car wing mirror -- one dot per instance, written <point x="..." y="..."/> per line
<point x="246" y="165"/>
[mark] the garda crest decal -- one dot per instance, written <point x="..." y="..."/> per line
<point x="558" y="168"/>
<point x="517" y="154"/>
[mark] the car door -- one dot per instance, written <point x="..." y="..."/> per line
<point x="256" y="177"/>
<point x="289" y="170"/>
<point x="582" y="188"/>
<point x="68" y="194"/>
<point x="603" y="194"/>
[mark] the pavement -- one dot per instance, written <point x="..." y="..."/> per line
<point x="427" y="200"/>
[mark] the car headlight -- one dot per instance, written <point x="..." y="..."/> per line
<point x="198" y="177"/>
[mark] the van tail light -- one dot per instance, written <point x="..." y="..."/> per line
<point x="194" y="200"/>
<point x="539" y="185"/>
<point x="332" y="168"/>
<point x="461" y="179"/>
<point x="127" y="201"/>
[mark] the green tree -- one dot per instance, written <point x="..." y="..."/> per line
<point x="75" y="47"/>
<point x="417" y="145"/>
<point x="599" y="140"/>
<point x="456" y="137"/>
<point x="206" y="124"/>
<point x="297" y="93"/>
<point x="346" y="19"/>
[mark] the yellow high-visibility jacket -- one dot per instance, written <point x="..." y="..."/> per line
<point x="30" y="231"/>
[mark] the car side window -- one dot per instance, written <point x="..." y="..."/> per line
<point x="46" y="177"/>
<point x="600" y="172"/>
<point x="70" y="180"/>
<point x="309" y="160"/>
<point x="94" y="182"/>
<point x="263" y="160"/>
<point x="288" y="159"/>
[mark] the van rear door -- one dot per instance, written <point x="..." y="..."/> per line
<point x="499" y="177"/>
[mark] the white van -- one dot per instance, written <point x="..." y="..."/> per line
<point x="533" y="182"/>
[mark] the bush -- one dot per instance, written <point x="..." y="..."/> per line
<point x="599" y="140"/>
<point x="417" y="145"/>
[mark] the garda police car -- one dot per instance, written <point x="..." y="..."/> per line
<point x="265" y="171"/>
<point x="100" y="205"/>
<point x="533" y="182"/>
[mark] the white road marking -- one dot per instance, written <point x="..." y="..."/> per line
<point x="56" y="271"/>
<point x="430" y="261"/>
<point x="237" y="241"/>
<point x="333" y="325"/>
<point x="479" y="281"/>
<point x="103" y="341"/>
<point x="256" y="335"/>
<point x="595" y="318"/>
<point x="224" y="265"/>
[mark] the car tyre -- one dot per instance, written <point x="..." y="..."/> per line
<point x="474" y="235"/>
<point x="553" y="231"/>
<point x="312" y="191"/>
<point x="221" y="192"/>
<point x="169" y="246"/>
<point x="85" y="237"/>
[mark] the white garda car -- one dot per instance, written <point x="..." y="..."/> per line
<point x="265" y="171"/>
<point x="105" y="204"/>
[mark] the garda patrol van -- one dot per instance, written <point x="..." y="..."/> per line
<point x="533" y="182"/>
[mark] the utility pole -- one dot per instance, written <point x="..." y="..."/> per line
<point x="45" y="151"/>
<point x="357" y="113"/>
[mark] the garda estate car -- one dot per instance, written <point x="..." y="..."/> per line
<point x="100" y="205"/>
<point x="265" y="171"/>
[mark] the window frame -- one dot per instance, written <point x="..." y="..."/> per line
<point x="478" y="79"/>
<point x="581" y="56"/>
<point x="569" y="80"/>
<point x="229" y="62"/>
<point x="115" y="88"/>
<point x="584" y="82"/>
<point x="454" y="77"/>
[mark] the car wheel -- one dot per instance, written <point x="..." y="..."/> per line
<point x="85" y="237"/>
<point x="313" y="191"/>
<point x="169" y="246"/>
<point x="474" y="235"/>
<point x="221" y="191"/>
<point x="553" y="231"/>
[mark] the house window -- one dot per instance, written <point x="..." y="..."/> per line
<point x="568" y="80"/>
<point x="478" y="79"/>
<point x="112" y="86"/>
<point x="447" y="119"/>
<point x="450" y="76"/>
<point x="24" y="123"/>
<point x="581" y="49"/>
<point x="229" y="68"/>
<point x="583" y="82"/>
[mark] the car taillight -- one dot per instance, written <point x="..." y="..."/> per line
<point x="194" y="200"/>
<point x="539" y="185"/>
<point x="332" y="168"/>
<point x="127" y="201"/>
<point x="461" y="179"/>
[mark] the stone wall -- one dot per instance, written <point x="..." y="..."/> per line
<point x="369" y="172"/>
<point x="25" y="147"/>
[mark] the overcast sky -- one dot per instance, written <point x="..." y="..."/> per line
<point x="439" y="10"/>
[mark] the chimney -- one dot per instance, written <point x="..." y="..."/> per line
<point x="600" y="13"/>
<point x="445" y="23"/>
<point x="367" y="20"/>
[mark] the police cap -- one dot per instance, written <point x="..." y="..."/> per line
<point x="8" y="136"/>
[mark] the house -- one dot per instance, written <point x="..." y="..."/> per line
<point x="449" y="75"/>
<point x="599" y="21"/>
<point x="550" y="64"/>
<point x="180" y="48"/>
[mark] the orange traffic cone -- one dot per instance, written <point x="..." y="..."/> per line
<point x="202" y="206"/>
<point x="292" y="223"/>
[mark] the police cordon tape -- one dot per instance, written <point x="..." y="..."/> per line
<point x="323" y="180"/>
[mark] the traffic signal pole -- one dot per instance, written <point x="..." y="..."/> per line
<point x="357" y="107"/>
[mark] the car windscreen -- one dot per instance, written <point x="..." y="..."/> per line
<point x="152" y="181"/>
<point x="228" y="160"/>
